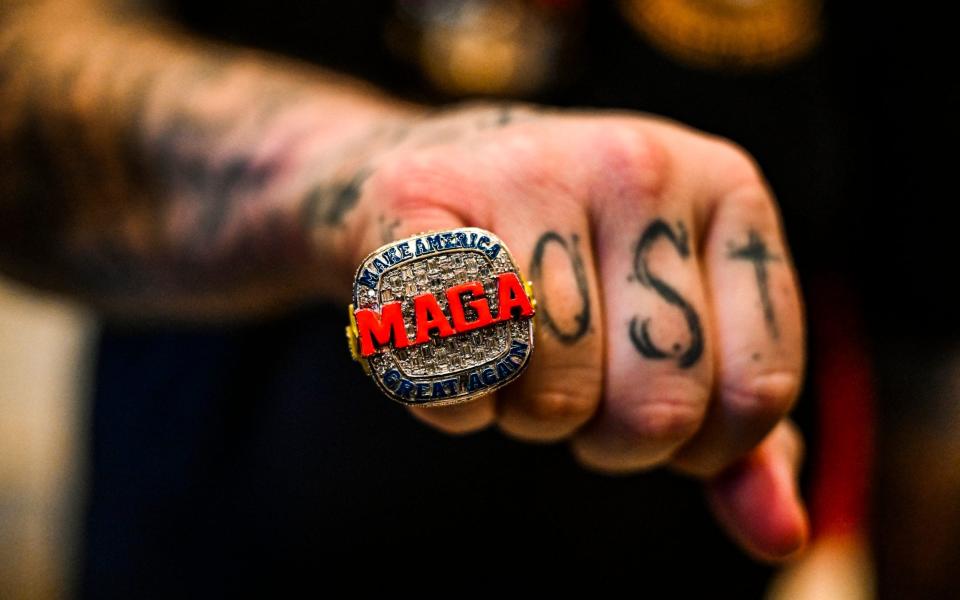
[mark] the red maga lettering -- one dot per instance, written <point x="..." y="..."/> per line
<point x="377" y="330"/>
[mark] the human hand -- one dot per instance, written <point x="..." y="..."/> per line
<point x="669" y="321"/>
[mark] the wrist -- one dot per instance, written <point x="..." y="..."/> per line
<point x="313" y="198"/>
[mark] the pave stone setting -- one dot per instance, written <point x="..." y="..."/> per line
<point x="444" y="370"/>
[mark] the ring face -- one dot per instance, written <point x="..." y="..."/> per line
<point x="442" y="317"/>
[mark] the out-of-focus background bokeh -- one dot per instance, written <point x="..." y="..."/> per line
<point x="44" y="359"/>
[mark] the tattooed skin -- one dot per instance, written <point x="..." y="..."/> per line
<point x="328" y="204"/>
<point x="388" y="229"/>
<point x="756" y="251"/>
<point x="145" y="166"/>
<point x="581" y="321"/>
<point x="640" y="328"/>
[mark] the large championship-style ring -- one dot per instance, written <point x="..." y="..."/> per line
<point x="441" y="317"/>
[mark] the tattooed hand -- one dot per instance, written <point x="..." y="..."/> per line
<point x="151" y="172"/>
<point x="670" y="328"/>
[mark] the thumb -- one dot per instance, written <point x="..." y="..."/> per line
<point x="757" y="499"/>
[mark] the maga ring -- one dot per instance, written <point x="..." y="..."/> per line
<point x="442" y="317"/>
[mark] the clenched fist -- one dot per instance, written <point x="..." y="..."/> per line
<point x="670" y="329"/>
<point x="152" y="173"/>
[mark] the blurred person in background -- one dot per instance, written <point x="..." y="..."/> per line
<point x="209" y="175"/>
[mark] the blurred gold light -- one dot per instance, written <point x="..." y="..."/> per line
<point x="498" y="47"/>
<point x="728" y="33"/>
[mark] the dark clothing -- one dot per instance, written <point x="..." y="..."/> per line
<point x="229" y="461"/>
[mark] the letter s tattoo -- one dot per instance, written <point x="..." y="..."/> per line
<point x="640" y="328"/>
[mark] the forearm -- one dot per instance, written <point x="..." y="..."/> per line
<point x="148" y="171"/>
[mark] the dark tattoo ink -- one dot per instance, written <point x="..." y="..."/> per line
<point x="216" y="185"/>
<point x="640" y="328"/>
<point x="756" y="252"/>
<point x="568" y="335"/>
<point x="235" y="177"/>
<point x="344" y="197"/>
<point x="387" y="229"/>
<point x="505" y="115"/>
<point x="328" y="204"/>
<point x="88" y="190"/>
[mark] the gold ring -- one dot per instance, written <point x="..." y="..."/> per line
<point x="441" y="317"/>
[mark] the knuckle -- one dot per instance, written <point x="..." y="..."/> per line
<point x="552" y="412"/>
<point x="765" y="397"/>
<point x="738" y="164"/>
<point x="418" y="180"/>
<point x="752" y="200"/>
<point x="631" y="159"/>
<point x="561" y="406"/>
<point x="664" y="421"/>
